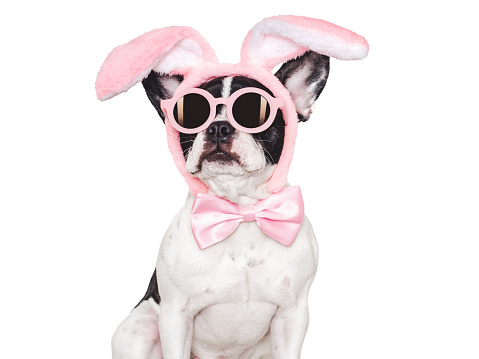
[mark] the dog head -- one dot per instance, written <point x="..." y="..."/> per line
<point x="234" y="164"/>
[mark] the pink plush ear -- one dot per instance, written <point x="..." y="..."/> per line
<point x="171" y="50"/>
<point x="278" y="39"/>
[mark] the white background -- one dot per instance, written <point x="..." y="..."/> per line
<point x="388" y="165"/>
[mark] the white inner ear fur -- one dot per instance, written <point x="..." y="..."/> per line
<point x="304" y="97"/>
<point x="170" y="84"/>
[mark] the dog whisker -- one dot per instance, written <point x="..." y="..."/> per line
<point x="269" y="154"/>
<point x="188" y="150"/>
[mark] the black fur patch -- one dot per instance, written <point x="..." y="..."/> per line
<point x="160" y="87"/>
<point x="214" y="87"/>
<point x="152" y="291"/>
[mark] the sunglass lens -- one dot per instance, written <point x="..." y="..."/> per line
<point x="191" y="110"/>
<point x="251" y="110"/>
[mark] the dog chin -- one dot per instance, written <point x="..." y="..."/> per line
<point x="233" y="182"/>
<point x="211" y="168"/>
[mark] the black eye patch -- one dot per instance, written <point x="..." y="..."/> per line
<point x="271" y="139"/>
<point x="214" y="87"/>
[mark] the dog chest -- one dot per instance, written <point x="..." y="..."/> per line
<point x="233" y="288"/>
<point x="244" y="262"/>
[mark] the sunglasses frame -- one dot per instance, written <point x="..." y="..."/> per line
<point x="274" y="104"/>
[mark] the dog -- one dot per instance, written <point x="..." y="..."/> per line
<point x="245" y="296"/>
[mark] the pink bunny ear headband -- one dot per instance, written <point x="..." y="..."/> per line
<point x="183" y="51"/>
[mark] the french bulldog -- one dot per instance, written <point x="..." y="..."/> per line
<point x="247" y="296"/>
<point x="244" y="296"/>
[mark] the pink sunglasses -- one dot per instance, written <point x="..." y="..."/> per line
<point x="249" y="110"/>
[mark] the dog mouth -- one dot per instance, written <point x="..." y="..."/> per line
<point x="236" y="157"/>
<point x="217" y="157"/>
<point x="219" y="162"/>
<point x="220" y="156"/>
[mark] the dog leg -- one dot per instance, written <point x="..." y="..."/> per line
<point x="288" y="330"/>
<point x="138" y="337"/>
<point x="176" y="327"/>
<point x="289" y="326"/>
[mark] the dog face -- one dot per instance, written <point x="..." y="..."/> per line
<point x="234" y="164"/>
<point x="161" y="57"/>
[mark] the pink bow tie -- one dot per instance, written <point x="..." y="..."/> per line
<point x="279" y="216"/>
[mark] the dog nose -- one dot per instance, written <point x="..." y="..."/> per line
<point x="219" y="131"/>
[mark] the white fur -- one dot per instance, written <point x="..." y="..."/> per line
<point x="250" y="153"/>
<point x="226" y="91"/>
<point x="137" y="337"/>
<point x="225" y="299"/>
<point x="238" y="181"/>
<point x="244" y="189"/>
<point x="245" y="297"/>
<point x="193" y="155"/>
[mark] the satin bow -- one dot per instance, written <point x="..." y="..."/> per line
<point x="279" y="216"/>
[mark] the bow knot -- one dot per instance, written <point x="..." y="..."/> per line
<point x="279" y="216"/>
<point x="249" y="215"/>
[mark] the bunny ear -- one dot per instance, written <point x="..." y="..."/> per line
<point x="171" y="50"/>
<point x="278" y="39"/>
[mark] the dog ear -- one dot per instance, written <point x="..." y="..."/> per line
<point x="305" y="78"/>
<point x="160" y="87"/>
<point x="170" y="51"/>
